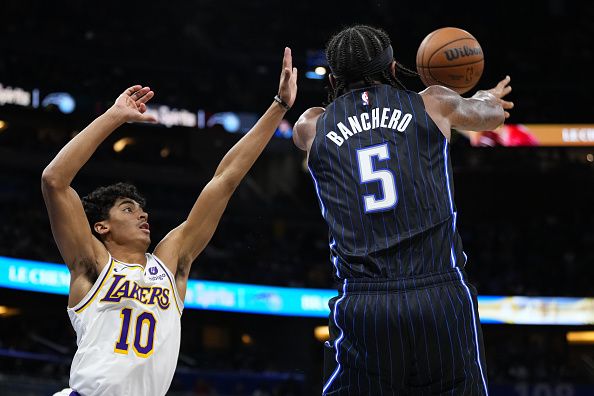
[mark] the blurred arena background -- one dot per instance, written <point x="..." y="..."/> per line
<point x="525" y="213"/>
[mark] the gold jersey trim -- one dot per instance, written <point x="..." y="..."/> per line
<point x="100" y="285"/>
<point x="172" y="283"/>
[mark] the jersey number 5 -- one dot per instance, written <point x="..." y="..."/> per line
<point x="388" y="196"/>
<point x="142" y="348"/>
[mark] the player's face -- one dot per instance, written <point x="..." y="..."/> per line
<point x="128" y="223"/>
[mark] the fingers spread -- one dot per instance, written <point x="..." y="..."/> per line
<point x="500" y="87"/>
<point x="145" y="97"/>
<point x="132" y="89"/>
<point x="140" y="93"/>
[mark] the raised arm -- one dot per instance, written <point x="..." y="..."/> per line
<point x="183" y="244"/>
<point x="485" y="110"/>
<point x="82" y="252"/>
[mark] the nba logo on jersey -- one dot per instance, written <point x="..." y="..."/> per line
<point x="365" y="97"/>
<point x="153" y="270"/>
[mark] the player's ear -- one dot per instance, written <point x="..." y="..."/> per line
<point x="101" y="227"/>
<point x="332" y="80"/>
<point x="393" y="68"/>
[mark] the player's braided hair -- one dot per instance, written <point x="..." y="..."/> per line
<point x="354" y="47"/>
<point x="98" y="203"/>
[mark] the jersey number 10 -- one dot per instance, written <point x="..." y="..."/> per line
<point x="141" y="349"/>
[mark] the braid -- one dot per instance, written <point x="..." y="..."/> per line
<point x="336" y="55"/>
<point x="354" y="47"/>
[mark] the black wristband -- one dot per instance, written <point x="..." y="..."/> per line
<point x="281" y="102"/>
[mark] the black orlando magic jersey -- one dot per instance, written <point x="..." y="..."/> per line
<point x="383" y="177"/>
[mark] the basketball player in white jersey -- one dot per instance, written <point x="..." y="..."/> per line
<point x="124" y="303"/>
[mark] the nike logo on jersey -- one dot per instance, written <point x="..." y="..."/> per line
<point x="379" y="118"/>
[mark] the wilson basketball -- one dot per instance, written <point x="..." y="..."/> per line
<point x="451" y="57"/>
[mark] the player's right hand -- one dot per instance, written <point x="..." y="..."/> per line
<point x="501" y="90"/>
<point x="130" y="106"/>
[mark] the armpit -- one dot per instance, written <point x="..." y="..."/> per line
<point x="183" y="268"/>
<point x="88" y="266"/>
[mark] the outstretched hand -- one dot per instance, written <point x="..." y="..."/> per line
<point x="500" y="90"/>
<point x="287" y="89"/>
<point x="130" y="106"/>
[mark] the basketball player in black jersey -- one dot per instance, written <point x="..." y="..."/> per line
<point x="405" y="321"/>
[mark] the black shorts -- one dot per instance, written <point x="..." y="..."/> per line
<point x="412" y="336"/>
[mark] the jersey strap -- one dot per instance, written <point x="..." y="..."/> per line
<point x="88" y="299"/>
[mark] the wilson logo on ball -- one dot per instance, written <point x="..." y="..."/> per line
<point x="451" y="57"/>
<point x="455" y="53"/>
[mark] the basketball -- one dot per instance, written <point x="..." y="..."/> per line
<point x="451" y="57"/>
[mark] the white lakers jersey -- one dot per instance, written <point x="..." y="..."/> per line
<point x="127" y="331"/>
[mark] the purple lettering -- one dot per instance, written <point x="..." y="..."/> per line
<point x="108" y="296"/>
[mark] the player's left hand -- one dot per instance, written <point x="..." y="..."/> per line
<point x="287" y="89"/>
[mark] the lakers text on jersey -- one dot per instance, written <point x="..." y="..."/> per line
<point x="128" y="331"/>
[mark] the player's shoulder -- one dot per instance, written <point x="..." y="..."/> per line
<point x="312" y="112"/>
<point x="304" y="130"/>
<point x="309" y="118"/>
